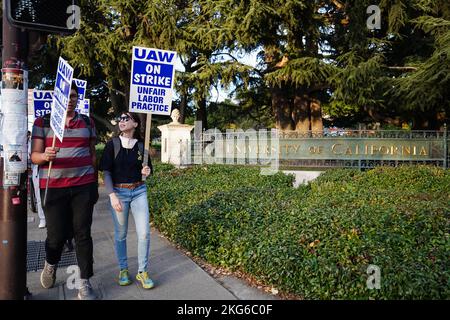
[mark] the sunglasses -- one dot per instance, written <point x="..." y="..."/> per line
<point x="124" y="118"/>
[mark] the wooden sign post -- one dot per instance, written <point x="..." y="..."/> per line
<point x="148" y="126"/>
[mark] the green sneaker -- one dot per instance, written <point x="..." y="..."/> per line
<point x="146" y="282"/>
<point x="124" y="277"/>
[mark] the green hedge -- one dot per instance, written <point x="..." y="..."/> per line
<point x="318" y="240"/>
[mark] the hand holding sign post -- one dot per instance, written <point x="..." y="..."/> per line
<point x="64" y="76"/>
<point x="151" y="88"/>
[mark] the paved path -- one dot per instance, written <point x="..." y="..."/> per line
<point x="175" y="275"/>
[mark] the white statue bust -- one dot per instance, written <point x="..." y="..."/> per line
<point x="175" y="116"/>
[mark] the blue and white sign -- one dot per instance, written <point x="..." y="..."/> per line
<point x="152" y="80"/>
<point x="42" y="102"/>
<point x="61" y="95"/>
<point x="84" y="109"/>
<point x="81" y="85"/>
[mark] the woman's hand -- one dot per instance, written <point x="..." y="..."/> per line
<point x="146" y="171"/>
<point x="115" y="202"/>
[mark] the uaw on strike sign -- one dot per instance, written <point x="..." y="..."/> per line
<point x="152" y="79"/>
<point x="42" y="102"/>
<point x="81" y="85"/>
<point x="61" y="95"/>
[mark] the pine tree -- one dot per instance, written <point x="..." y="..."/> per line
<point x="396" y="74"/>
<point x="316" y="56"/>
<point x="183" y="26"/>
<point x="289" y="33"/>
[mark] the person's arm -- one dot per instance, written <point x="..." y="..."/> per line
<point x="41" y="155"/>
<point x="115" y="202"/>
<point x="107" y="179"/>
<point x="106" y="165"/>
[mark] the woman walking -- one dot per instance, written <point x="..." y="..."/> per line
<point x="123" y="168"/>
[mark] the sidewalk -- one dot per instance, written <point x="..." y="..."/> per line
<point x="175" y="275"/>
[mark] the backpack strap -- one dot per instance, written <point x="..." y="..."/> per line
<point x="116" y="145"/>
<point x="86" y="120"/>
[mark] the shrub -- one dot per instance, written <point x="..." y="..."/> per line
<point x="318" y="240"/>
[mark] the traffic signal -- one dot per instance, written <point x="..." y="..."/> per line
<point x="53" y="16"/>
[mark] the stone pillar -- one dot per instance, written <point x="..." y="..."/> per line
<point x="176" y="143"/>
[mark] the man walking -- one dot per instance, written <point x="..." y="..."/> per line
<point x="72" y="191"/>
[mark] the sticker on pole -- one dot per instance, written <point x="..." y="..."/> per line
<point x="10" y="179"/>
<point x="14" y="127"/>
<point x="152" y="80"/>
<point x="81" y="85"/>
<point x="61" y="95"/>
<point x="42" y="102"/>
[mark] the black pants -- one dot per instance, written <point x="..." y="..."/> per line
<point x="70" y="208"/>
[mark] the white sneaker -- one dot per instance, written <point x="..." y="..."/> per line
<point x="86" y="292"/>
<point x="48" y="275"/>
<point x="42" y="224"/>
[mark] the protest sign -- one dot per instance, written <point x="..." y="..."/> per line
<point x="42" y="102"/>
<point x="61" y="95"/>
<point x="81" y="85"/>
<point x="152" y="80"/>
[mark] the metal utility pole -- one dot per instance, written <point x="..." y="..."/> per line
<point x="13" y="188"/>
<point x="22" y="20"/>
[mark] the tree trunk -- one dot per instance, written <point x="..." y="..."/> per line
<point x="282" y="109"/>
<point x="301" y="113"/>
<point x="426" y="120"/>
<point x="201" y="113"/>
<point x="433" y="122"/>
<point x="143" y="118"/>
<point x="312" y="49"/>
<point x="103" y="121"/>
<point x="126" y="90"/>
<point x="118" y="97"/>
<point x="183" y="104"/>
<point x="420" y="121"/>
<point x="316" y="117"/>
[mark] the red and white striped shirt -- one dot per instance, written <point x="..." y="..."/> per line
<point x="73" y="163"/>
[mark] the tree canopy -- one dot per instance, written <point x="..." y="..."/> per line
<point x="316" y="59"/>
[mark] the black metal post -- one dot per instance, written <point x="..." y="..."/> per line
<point x="13" y="199"/>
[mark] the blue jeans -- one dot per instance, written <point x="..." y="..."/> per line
<point x="137" y="200"/>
